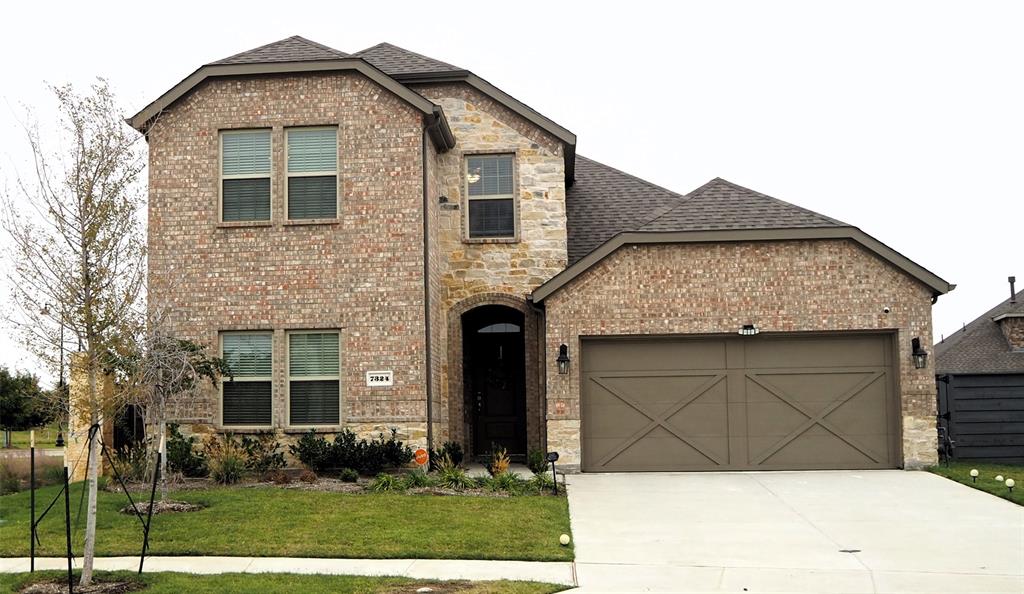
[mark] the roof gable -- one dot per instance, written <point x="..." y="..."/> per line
<point x="981" y="346"/>
<point x="291" y="49"/>
<point x="397" y="61"/>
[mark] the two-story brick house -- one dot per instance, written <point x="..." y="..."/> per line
<point x="381" y="239"/>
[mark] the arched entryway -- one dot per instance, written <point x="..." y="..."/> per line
<point x="494" y="379"/>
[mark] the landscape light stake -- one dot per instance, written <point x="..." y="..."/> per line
<point x="152" y="496"/>
<point x="32" y="500"/>
<point x="552" y="458"/>
<point x="67" y="526"/>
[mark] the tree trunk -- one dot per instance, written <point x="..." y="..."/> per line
<point x="7" y="438"/>
<point x="163" y="461"/>
<point x="92" y="480"/>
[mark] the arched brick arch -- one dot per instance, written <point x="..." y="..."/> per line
<point x="458" y="420"/>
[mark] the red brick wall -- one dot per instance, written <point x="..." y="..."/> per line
<point x="362" y="273"/>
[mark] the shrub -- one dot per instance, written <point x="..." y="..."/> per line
<point x="541" y="483"/>
<point x="451" y="476"/>
<point x="507" y="482"/>
<point x="182" y="455"/>
<point x="348" y="475"/>
<point x="132" y="462"/>
<point x="313" y="451"/>
<point x="396" y="454"/>
<point x="499" y="462"/>
<point x="418" y="479"/>
<point x="307" y="476"/>
<point x="226" y="459"/>
<point x="52" y="475"/>
<point x="386" y="482"/>
<point x="452" y="449"/>
<point x="262" y="453"/>
<point x="348" y="451"/>
<point x="279" y="477"/>
<point x="537" y="461"/>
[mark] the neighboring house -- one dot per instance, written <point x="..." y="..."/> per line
<point x="381" y="239"/>
<point x="980" y="373"/>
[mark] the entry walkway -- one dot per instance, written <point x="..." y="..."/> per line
<point x="426" y="569"/>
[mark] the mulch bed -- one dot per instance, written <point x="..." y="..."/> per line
<point x="97" y="587"/>
<point x="161" y="507"/>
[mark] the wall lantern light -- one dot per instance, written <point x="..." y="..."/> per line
<point x="919" y="354"/>
<point x="563" y="359"/>
<point x="749" y="330"/>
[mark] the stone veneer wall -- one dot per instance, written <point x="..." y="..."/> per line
<point x="361" y="273"/>
<point x="480" y="272"/>
<point x="1013" y="330"/>
<point x="786" y="286"/>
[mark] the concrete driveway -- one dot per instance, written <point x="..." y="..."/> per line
<point x="870" y="531"/>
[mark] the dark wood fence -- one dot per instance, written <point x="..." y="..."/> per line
<point x="984" y="416"/>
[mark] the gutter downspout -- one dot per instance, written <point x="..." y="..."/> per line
<point x="429" y="373"/>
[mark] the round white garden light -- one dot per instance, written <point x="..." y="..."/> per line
<point x="1010" y="484"/>
<point x="999" y="478"/>
<point x="564" y="539"/>
<point x="974" y="475"/>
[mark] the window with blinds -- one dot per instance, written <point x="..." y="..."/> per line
<point x="245" y="175"/>
<point x="491" y="202"/>
<point x="246" y="394"/>
<point x="314" y="391"/>
<point x="312" y="173"/>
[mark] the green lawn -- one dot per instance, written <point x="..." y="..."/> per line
<point x="276" y="522"/>
<point x="45" y="437"/>
<point x="960" y="472"/>
<point x="175" y="583"/>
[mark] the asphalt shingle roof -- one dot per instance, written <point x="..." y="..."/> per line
<point x="292" y="49"/>
<point x="393" y="60"/>
<point x="981" y="347"/>
<point x="604" y="202"/>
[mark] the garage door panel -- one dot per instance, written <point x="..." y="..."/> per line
<point x="810" y="411"/>
<point x="643" y="355"/>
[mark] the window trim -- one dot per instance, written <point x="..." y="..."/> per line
<point x="514" y="196"/>
<point x="221" y="177"/>
<point x="269" y="378"/>
<point x="336" y="173"/>
<point x="288" y="380"/>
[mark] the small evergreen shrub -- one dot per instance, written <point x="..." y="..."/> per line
<point x="262" y="453"/>
<point x="226" y="459"/>
<point x="307" y="476"/>
<point x="537" y="461"/>
<point x="541" y="483"/>
<point x="507" y="482"/>
<point x="348" y="451"/>
<point x="348" y="475"/>
<point x="452" y="449"/>
<point x="313" y="451"/>
<point x="182" y="454"/>
<point x="451" y="476"/>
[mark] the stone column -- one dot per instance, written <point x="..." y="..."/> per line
<point x="77" y="437"/>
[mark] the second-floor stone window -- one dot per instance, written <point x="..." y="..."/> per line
<point x="491" y="199"/>
<point x="245" y="175"/>
<point x="246" y="395"/>
<point x="312" y="173"/>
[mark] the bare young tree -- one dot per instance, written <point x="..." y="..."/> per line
<point x="78" y="247"/>
<point x="165" y="376"/>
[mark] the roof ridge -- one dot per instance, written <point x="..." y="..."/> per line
<point x="310" y="42"/>
<point x="297" y="38"/>
<point x="408" y="51"/>
<point x="658" y="212"/>
<point x="661" y="212"/>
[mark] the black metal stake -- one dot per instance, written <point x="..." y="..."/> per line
<point x="149" y="513"/>
<point x="32" y="508"/>
<point x="67" y="528"/>
<point x="552" y="457"/>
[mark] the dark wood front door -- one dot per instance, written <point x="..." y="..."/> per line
<point x="495" y="382"/>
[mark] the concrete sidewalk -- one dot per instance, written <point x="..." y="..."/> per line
<point x="427" y="569"/>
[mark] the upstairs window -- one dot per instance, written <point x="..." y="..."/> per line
<point x="246" y="395"/>
<point x="312" y="173"/>
<point x="491" y="202"/>
<point x="313" y="380"/>
<point x="245" y="175"/>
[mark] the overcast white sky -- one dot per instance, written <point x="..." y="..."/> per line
<point x="905" y="119"/>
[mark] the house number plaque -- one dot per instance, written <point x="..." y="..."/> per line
<point x="380" y="378"/>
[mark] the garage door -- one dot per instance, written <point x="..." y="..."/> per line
<point x="746" y="403"/>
